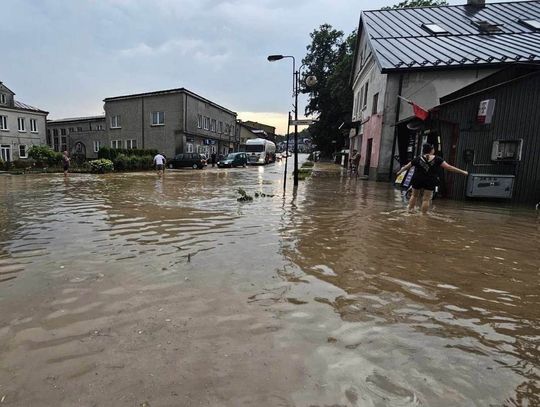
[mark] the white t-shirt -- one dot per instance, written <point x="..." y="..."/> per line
<point x="159" y="159"/>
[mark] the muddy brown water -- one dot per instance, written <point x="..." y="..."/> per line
<point x="129" y="290"/>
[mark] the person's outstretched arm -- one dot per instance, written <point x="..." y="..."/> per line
<point x="449" y="167"/>
<point x="404" y="168"/>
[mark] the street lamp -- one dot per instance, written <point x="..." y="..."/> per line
<point x="296" y="90"/>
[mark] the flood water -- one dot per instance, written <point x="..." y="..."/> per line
<point x="131" y="290"/>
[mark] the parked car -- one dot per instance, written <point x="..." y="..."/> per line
<point x="234" y="160"/>
<point x="193" y="160"/>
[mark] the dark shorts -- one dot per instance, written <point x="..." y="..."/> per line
<point x="66" y="167"/>
<point x="159" y="167"/>
<point x="424" y="183"/>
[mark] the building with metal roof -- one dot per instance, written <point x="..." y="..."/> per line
<point x="423" y="54"/>
<point x="21" y="126"/>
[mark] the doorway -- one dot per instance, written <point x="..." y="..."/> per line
<point x="369" y="147"/>
<point x="5" y="152"/>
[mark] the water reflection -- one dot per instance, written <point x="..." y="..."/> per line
<point x="454" y="295"/>
<point x="333" y="280"/>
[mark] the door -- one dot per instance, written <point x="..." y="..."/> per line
<point x="5" y="152"/>
<point x="369" y="147"/>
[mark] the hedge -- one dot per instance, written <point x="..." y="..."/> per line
<point x="113" y="153"/>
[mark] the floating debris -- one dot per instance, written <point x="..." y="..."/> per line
<point x="244" y="197"/>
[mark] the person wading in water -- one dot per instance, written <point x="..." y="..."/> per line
<point x="425" y="177"/>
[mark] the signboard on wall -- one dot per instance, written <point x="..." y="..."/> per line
<point x="485" y="111"/>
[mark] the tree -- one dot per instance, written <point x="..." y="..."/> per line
<point x="329" y="58"/>
<point x="417" y="3"/>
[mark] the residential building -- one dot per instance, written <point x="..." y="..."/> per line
<point x="172" y="121"/>
<point x="21" y="126"/>
<point x="423" y="54"/>
<point x="81" y="136"/>
<point x="491" y="128"/>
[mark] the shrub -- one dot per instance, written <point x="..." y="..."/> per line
<point x="122" y="163"/>
<point x="147" y="162"/>
<point x="44" y="155"/>
<point x="113" y="153"/>
<point x="308" y="164"/>
<point x="24" y="163"/>
<point x="101" y="166"/>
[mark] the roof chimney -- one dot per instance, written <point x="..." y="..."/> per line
<point x="476" y="3"/>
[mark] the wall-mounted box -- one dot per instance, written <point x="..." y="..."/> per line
<point x="490" y="186"/>
<point x="506" y="150"/>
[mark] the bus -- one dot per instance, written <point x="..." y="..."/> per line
<point x="260" y="151"/>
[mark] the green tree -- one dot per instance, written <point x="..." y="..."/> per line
<point x="329" y="58"/>
<point x="417" y="3"/>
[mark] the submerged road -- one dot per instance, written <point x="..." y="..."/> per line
<point x="134" y="290"/>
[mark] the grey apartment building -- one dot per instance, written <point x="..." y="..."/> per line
<point x="172" y="121"/>
<point x="21" y="126"/>
<point x="82" y="136"/>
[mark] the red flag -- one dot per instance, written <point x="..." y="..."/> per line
<point x="419" y="112"/>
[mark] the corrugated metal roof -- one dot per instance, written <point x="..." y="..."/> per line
<point x="400" y="42"/>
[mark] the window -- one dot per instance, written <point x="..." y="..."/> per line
<point x="22" y="151"/>
<point x="2" y="98"/>
<point x="3" y="123"/>
<point x="63" y="132"/>
<point x="189" y="147"/>
<point x="534" y="24"/>
<point x="221" y="127"/>
<point x="213" y="125"/>
<point x="55" y="132"/>
<point x="33" y="126"/>
<point x="71" y="129"/>
<point x="206" y="123"/>
<point x="116" y="143"/>
<point x="64" y="144"/>
<point x="79" y="129"/>
<point x="49" y="140"/>
<point x="131" y="144"/>
<point x="115" y="122"/>
<point x="375" y="103"/>
<point x="158" y="118"/>
<point x="21" y="124"/>
<point x="56" y="144"/>
<point x="199" y="121"/>
<point x="364" y="104"/>
<point x="434" y="28"/>
<point x="97" y="146"/>
<point x="99" y="127"/>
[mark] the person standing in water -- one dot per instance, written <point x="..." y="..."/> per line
<point x="425" y="177"/>
<point x="159" y="162"/>
<point x="65" y="162"/>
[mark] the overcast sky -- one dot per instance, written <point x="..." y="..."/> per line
<point x="66" y="56"/>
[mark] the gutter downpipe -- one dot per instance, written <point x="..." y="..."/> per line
<point x="398" y="107"/>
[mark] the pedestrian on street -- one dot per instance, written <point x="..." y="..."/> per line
<point x="65" y="162"/>
<point x="425" y="177"/>
<point x="213" y="158"/>
<point x="159" y="162"/>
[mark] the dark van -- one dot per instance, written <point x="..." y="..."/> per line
<point x="193" y="160"/>
<point x="234" y="160"/>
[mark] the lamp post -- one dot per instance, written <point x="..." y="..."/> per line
<point x="296" y="90"/>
